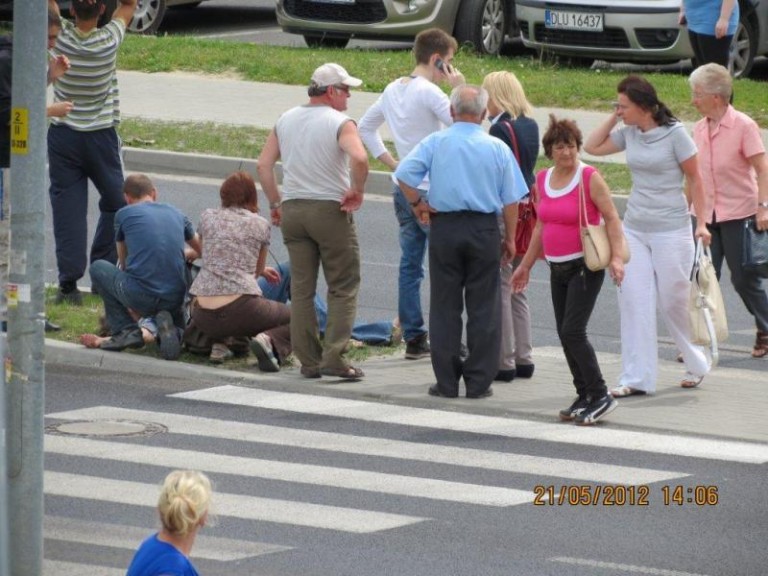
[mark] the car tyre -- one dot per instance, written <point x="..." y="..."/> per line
<point x="483" y="24"/>
<point x="743" y="49"/>
<point x="148" y="16"/>
<point x="317" y="41"/>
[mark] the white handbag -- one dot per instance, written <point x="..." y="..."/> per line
<point x="706" y="309"/>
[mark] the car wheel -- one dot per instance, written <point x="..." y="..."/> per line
<point x="314" y="41"/>
<point x="148" y="16"/>
<point x="483" y="24"/>
<point x="743" y="48"/>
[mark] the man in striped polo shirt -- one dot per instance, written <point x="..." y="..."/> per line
<point x="84" y="144"/>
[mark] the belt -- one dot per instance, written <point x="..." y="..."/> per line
<point x="567" y="266"/>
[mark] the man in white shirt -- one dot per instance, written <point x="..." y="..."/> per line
<point x="413" y="107"/>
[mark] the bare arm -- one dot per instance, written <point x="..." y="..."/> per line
<point x="721" y="26"/>
<point x="522" y="274"/>
<point x="265" y="167"/>
<point x="601" y="196"/>
<point x="261" y="263"/>
<point x="760" y="164"/>
<point x="599" y="142"/>
<point x="59" y="109"/>
<point x="352" y="145"/>
<point x="509" y="214"/>
<point x="125" y="11"/>
<point x="122" y="254"/>
<point x="196" y="244"/>
<point x="690" y="168"/>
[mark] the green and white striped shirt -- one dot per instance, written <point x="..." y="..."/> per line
<point x="91" y="82"/>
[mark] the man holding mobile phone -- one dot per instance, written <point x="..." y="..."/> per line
<point x="413" y="107"/>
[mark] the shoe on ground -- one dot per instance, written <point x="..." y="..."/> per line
<point x="219" y="353"/>
<point x="167" y="336"/>
<point x="51" y="327"/>
<point x="128" y="338"/>
<point x="570" y="413"/>
<point x="691" y="380"/>
<point x="434" y="390"/>
<point x="73" y="296"/>
<point x="417" y="347"/>
<point x="625" y="391"/>
<point x="349" y="373"/>
<point x="261" y="346"/>
<point x="310" y="371"/>
<point x="596" y="409"/>
<point x="484" y="394"/>
<point x="524" y="370"/>
<point x="505" y="375"/>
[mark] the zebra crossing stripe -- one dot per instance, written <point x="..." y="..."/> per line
<point x="234" y="505"/>
<point x="129" y="538"/>
<point x="379" y="447"/>
<point x="606" y="437"/>
<point x="346" y="478"/>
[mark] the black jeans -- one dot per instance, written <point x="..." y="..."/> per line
<point x="574" y="292"/>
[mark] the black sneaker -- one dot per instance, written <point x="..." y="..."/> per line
<point x="574" y="409"/>
<point x="596" y="409"/>
<point x="417" y="347"/>
<point x="167" y="336"/>
<point x="73" y="296"/>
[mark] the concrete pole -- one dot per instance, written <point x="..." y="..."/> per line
<point x="26" y="314"/>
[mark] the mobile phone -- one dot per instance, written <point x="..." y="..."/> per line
<point x="442" y="66"/>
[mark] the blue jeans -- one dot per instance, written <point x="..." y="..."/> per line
<point x="373" y="333"/>
<point x="120" y="295"/>
<point x="413" y="246"/>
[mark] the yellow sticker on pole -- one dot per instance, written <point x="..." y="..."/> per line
<point x="20" y="131"/>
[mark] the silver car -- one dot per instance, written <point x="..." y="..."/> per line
<point x="642" y="31"/>
<point x="481" y="23"/>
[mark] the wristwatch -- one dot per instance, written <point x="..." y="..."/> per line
<point x="763" y="204"/>
<point x="274" y="205"/>
<point x="416" y="202"/>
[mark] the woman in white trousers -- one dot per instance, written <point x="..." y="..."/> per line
<point x="660" y="155"/>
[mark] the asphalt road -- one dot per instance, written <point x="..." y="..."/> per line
<point x="310" y="485"/>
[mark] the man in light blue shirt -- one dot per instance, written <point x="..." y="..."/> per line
<point x="474" y="177"/>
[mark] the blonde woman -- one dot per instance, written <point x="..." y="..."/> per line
<point x="510" y="115"/>
<point x="183" y="506"/>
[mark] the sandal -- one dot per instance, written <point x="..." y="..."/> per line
<point x="690" y="380"/>
<point x="346" y="373"/>
<point x="761" y="345"/>
<point x="624" y="391"/>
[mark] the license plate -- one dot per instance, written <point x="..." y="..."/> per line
<point x="585" y="21"/>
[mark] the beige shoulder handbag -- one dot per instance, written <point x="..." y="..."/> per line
<point x="594" y="237"/>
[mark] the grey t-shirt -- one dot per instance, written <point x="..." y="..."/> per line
<point x="657" y="202"/>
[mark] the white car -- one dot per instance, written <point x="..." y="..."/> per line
<point x="641" y="31"/>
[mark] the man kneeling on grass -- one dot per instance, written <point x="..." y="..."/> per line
<point x="150" y="277"/>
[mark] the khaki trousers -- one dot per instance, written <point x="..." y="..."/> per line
<point x="317" y="232"/>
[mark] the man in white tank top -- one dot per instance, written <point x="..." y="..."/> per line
<point x="325" y="166"/>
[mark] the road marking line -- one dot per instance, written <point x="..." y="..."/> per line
<point x="129" y="537"/>
<point x="347" y="478"/>
<point x="726" y="450"/>
<point x="379" y="447"/>
<point x="235" y="505"/>
<point x="623" y="567"/>
<point x="60" y="568"/>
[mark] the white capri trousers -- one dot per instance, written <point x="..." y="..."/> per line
<point x="658" y="271"/>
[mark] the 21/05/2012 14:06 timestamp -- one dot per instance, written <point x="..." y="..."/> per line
<point x="620" y="495"/>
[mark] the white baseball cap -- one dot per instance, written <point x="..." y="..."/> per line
<point x="330" y="74"/>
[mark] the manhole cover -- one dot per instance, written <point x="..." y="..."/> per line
<point x="111" y="428"/>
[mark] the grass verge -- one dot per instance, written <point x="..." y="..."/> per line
<point x="77" y="320"/>
<point x="246" y="142"/>
<point x="546" y="83"/>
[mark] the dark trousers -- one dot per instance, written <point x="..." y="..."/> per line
<point x="574" y="292"/>
<point x="728" y="244"/>
<point x="708" y="48"/>
<point x="464" y="253"/>
<point x="74" y="158"/>
<point x="247" y="316"/>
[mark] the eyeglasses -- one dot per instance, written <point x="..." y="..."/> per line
<point x="341" y="88"/>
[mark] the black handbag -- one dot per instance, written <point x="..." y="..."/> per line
<point x="755" y="248"/>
